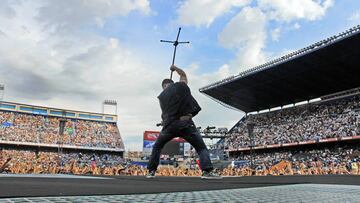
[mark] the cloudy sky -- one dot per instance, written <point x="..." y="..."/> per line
<point x="73" y="54"/>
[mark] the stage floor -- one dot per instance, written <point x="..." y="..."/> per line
<point x="313" y="193"/>
<point x="179" y="189"/>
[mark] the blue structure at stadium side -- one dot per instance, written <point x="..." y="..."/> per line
<point x="326" y="67"/>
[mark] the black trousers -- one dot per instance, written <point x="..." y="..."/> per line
<point x="185" y="129"/>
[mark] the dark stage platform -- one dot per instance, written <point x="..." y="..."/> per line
<point x="68" y="185"/>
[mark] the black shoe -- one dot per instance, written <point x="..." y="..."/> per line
<point x="151" y="174"/>
<point x="210" y="175"/>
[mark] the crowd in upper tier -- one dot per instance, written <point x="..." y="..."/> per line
<point x="344" y="160"/>
<point x="314" y="121"/>
<point x="45" y="129"/>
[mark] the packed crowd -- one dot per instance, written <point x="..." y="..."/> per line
<point x="309" y="162"/>
<point x="29" y="161"/>
<point x="43" y="129"/>
<point x="344" y="160"/>
<point x="339" y="118"/>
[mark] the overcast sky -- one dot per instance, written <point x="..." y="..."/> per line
<point x="73" y="54"/>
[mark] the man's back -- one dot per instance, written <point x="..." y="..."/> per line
<point x="175" y="101"/>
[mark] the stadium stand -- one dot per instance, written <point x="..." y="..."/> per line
<point x="24" y="124"/>
<point x="303" y="109"/>
<point x="36" y="139"/>
<point x="309" y="122"/>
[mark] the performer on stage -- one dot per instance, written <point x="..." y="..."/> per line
<point x="178" y="107"/>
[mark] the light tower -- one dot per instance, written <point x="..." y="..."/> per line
<point x="2" y="92"/>
<point x="109" y="103"/>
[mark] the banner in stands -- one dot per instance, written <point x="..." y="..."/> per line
<point x="6" y="124"/>
<point x="147" y="146"/>
<point x="172" y="148"/>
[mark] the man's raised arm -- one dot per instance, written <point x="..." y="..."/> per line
<point x="182" y="74"/>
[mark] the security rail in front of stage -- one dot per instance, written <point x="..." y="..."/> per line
<point x="327" y="140"/>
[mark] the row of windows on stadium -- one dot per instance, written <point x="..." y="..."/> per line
<point x="53" y="112"/>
